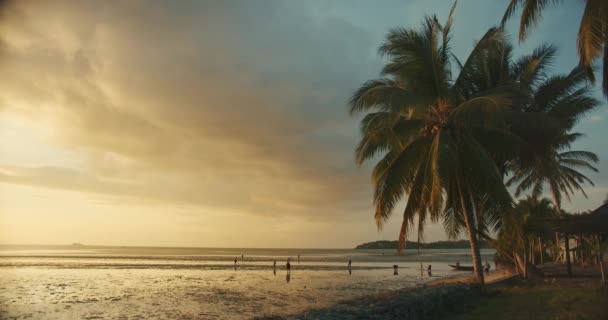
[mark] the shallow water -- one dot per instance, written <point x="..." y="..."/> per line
<point x="74" y="282"/>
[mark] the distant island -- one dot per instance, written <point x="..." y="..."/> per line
<point x="384" y="244"/>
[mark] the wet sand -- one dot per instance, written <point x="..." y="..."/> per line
<point x="117" y="285"/>
<point x="492" y="277"/>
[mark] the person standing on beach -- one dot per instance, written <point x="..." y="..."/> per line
<point x="486" y="266"/>
<point x="288" y="267"/>
<point x="235" y="259"/>
<point x="298" y="258"/>
<point x="274" y="267"/>
<point x="350" y="270"/>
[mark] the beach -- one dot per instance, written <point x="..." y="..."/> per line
<point x="73" y="282"/>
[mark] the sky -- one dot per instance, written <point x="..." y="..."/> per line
<point x="214" y="123"/>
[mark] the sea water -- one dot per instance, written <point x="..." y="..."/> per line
<point x="93" y="282"/>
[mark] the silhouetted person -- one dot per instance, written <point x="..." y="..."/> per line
<point x="395" y="271"/>
<point x="350" y="270"/>
<point x="274" y="267"/>
<point x="235" y="259"/>
<point x="288" y="266"/>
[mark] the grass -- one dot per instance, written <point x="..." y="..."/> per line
<point x="565" y="300"/>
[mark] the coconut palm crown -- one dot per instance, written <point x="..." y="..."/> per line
<point x="434" y="133"/>
<point x="545" y="121"/>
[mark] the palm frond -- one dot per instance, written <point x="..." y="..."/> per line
<point x="398" y="177"/>
<point x="532" y="69"/>
<point x="579" y="155"/>
<point x="493" y="39"/>
<point x="382" y="95"/>
<point x="591" y="33"/>
<point x="509" y="12"/>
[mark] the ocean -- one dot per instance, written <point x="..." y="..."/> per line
<point x="101" y="282"/>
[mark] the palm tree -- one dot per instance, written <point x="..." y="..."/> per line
<point x="521" y="227"/>
<point x="545" y="122"/>
<point x="557" y="169"/>
<point x="447" y="141"/>
<point x="592" y="35"/>
<point x="437" y="134"/>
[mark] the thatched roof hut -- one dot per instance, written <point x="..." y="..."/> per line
<point x="594" y="223"/>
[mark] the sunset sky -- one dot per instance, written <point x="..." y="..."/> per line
<point x="213" y="123"/>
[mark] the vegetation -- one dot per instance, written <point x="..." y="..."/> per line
<point x="592" y="33"/>
<point x="448" y="139"/>
<point x="540" y="301"/>
<point x="383" y="244"/>
<point x="524" y="232"/>
<point x="433" y="130"/>
<point x="545" y="123"/>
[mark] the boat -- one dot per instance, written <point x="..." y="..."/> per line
<point x="463" y="268"/>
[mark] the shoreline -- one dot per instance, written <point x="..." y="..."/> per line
<point x="411" y="302"/>
<point x="491" y="278"/>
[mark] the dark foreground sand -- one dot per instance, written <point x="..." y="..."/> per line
<point x="409" y="303"/>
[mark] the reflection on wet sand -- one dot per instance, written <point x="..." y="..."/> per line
<point x="173" y="286"/>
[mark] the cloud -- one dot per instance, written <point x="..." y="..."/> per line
<point x="234" y="105"/>
<point x="200" y="103"/>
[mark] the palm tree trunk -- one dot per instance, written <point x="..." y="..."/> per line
<point x="601" y="259"/>
<point x="580" y="236"/>
<point x="525" y="259"/>
<point x="568" y="263"/>
<point x="472" y="232"/>
<point x="474" y="210"/>
<point x="557" y="248"/>
<point x="516" y="261"/>
<point x="540" y="251"/>
<point x="519" y="263"/>
<point x="532" y="252"/>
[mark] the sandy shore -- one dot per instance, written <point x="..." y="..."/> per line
<point x="490" y="278"/>
<point x="408" y="303"/>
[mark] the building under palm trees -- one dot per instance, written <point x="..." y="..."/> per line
<point x="593" y="225"/>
